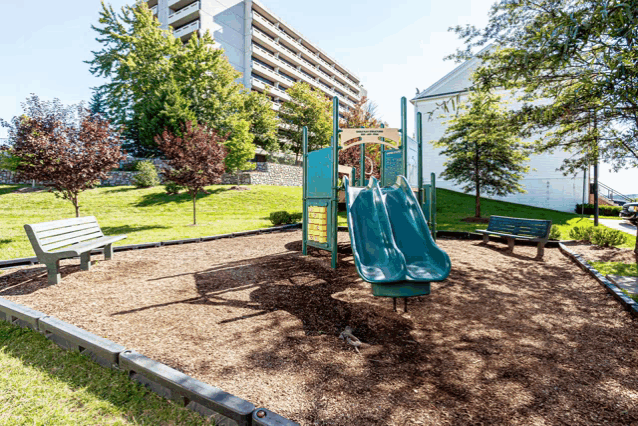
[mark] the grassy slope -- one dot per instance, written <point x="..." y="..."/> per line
<point x="41" y="384"/>
<point x="617" y="268"/>
<point x="145" y="215"/>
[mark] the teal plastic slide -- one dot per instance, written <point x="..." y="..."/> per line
<point x="391" y="242"/>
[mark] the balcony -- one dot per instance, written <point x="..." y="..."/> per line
<point x="262" y="85"/>
<point x="154" y="10"/>
<point x="186" y="30"/>
<point x="184" y="15"/>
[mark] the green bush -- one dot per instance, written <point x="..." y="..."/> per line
<point x="280" y="218"/>
<point x="605" y="237"/>
<point x="554" y="233"/>
<point x="296" y="217"/>
<point x="581" y="233"/>
<point x="602" y="210"/>
<point x="146" y="176"/>
<point x="172" y="188"/>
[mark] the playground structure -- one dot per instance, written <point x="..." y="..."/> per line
<point x="389" y="226"/>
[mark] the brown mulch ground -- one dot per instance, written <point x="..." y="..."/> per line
<point x="593" y="253"/>
<point x="505" y="340"/>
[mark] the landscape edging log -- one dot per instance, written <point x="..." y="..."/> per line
<point x="627" y="302"/>
<point x="68" y="336"/>
<point x="263" y="417"/>
<point x="184" y="389"/>
<point x="163" y="380"/>
<point x="19" y="315"/>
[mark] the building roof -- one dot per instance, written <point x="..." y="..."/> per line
<point x="455" y="82"/>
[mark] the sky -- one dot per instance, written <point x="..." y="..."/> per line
<point x="394" y="46"/>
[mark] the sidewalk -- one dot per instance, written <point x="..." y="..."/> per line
<point x="620" y="225"/>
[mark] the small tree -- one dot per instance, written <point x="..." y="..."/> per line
<point x="195" y="159"/>
<point x="483" y="151"/>
<point x="306" y="108"/>
<point x="362" y="115"/>
<point x="68" y="152"/>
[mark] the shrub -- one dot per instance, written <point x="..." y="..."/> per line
<point x="554" y="233"/>
<point x="172" y="188"/>
<point x="581" y="233"/>
<point x="280" y="218"/>
<point x="296" y="217"/>
<point x="146" y="176"/>
<point x="602" y="210"/>
<point x="605" y="237"/>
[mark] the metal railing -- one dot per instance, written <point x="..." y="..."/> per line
<point x="610" y="193"/>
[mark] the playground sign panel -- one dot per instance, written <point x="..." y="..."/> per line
<point x="389" y="137"/>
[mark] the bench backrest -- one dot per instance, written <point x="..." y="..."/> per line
<point x="516" y="226"/>
<point x="49" y="236"/>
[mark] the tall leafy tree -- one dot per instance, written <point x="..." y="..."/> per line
<point x="67" y="149"/>
<point x="574" y="63"/>
<point x="483" y="150"/>
<point x="309" y="108"/>
<point x="195" y="159"/>
<point x="150" y="70"/>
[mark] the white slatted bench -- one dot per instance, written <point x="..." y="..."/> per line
<point x="512" y="228"/>
<point x="68" y="238"/>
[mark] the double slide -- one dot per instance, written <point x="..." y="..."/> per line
<point x="391" y="242"/>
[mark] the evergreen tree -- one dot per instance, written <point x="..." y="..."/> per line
<point x="483" y="151"/>
<point x="97" y="104"/>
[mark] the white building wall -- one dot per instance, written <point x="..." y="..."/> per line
<point x="546" y="186"/>
<point x="226" y="23"/>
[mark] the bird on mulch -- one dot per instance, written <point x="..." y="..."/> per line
<point x="351" y="339"/>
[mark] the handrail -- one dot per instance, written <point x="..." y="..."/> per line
<point x="612" y="194"/>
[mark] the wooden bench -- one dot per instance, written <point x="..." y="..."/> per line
<point x="68" y="238"/>
<point x="512" y="228"/>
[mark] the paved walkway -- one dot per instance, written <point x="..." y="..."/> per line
<point x="626" y="283"/>
<point x="620" y="225"/>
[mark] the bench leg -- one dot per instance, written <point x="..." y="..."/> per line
<point x="486" y="238"/>
<point x="510" y="244"/>
<point x="53" y="272"/>
<point x="540" y="250"/>
<point x="85" y="261"/>
<point x="108" y="252"/>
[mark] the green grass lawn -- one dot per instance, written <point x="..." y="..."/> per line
<point x="41" y="384"/>
<point x="149" y="215"/>
<point x="145" y="215"/>
<point x="616" y="268"/>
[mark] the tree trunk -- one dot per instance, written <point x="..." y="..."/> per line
<point x="477" y="208"/>
<point x="76" y="204"/>
<point x="636" y="246"/>
<point x="195" y="208"/>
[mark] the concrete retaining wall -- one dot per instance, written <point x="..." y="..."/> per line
<point x="264" y="174"/>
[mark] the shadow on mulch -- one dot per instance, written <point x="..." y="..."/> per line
<point x="27" y="281"/>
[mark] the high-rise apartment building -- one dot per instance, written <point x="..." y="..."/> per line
<point x="268" y="52"/>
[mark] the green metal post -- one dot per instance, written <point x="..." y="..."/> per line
<point x="382" y="165"/>
<point x="304" y="245"/>
<point x="362" y="165"/>
<point x="404" y="134"/>
<point x="419" y="139"/>
<point x="335" y="178"/>
<point x="433" y="206"/>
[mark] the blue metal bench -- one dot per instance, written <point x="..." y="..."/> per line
<point x="512" y="228"/>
